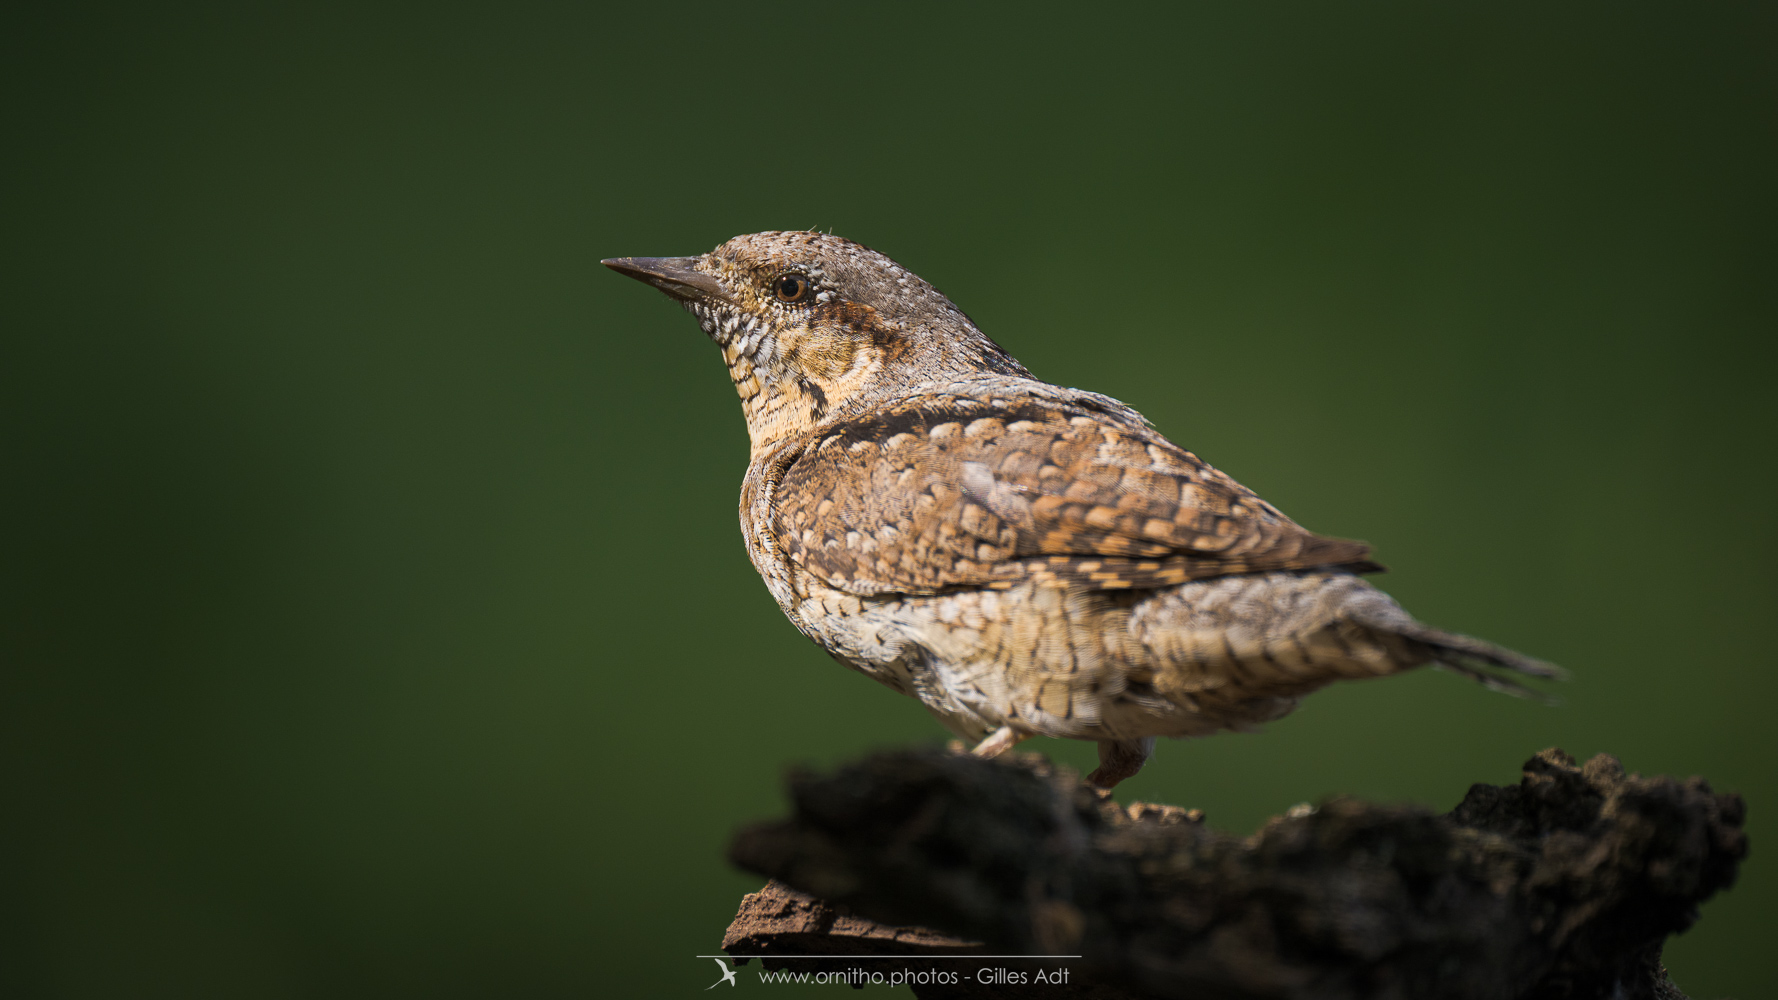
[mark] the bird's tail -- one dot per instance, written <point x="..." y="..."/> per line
<point x="1483" y="662"/>
<point x="1284" y="635"/>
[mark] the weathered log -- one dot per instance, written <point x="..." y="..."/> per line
<point x="1565" y="885"/>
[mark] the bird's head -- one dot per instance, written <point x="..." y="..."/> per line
<point x="812" y="325"/>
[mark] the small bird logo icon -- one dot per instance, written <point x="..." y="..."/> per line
<point x="728" y="974"/>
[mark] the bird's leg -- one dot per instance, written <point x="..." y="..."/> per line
<point x="1001" y="740"/>
<point x="1120" y="759"/>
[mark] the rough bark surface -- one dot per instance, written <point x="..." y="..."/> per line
<point x="1563" y="886"/>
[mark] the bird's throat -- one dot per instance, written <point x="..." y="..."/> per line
<point x="777" y="405"/>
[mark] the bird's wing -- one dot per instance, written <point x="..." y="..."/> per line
<point x="947" y="491"/>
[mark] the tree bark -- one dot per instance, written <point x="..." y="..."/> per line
<point x="1565" y="885"/>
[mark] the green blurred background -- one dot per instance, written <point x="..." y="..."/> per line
<point x="376" y="622"/>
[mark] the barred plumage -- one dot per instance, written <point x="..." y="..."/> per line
<point x="1023" y="558"/>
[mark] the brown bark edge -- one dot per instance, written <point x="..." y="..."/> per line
<point x="1565" y="885"/>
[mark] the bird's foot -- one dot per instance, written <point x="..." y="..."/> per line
<point x="1000" y="741"/>
<point x="1120" y="759"/>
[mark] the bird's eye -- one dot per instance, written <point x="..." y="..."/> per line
<point x="792" y="287"/>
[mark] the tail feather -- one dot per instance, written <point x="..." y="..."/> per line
<point x="1472" y="658"/>
<point x="1495" y="682"/>
<point x="1482" y="662"/>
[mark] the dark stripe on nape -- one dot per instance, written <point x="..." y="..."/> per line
<point x="919" y="419"/>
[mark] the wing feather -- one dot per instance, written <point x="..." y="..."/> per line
<point x="957" y="491"/>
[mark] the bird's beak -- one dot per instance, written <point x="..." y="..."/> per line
<point x="677" y="276"/>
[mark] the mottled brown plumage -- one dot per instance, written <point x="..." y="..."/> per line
<point x="1023" y="558"/>
<point x="940" y="490"/>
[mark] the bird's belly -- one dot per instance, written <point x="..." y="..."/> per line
<point x="1225" y="653"/>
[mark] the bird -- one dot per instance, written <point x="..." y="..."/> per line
<point x="1025" y="559"/>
